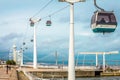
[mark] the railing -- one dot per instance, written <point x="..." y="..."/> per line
<point x="92" y="62"/>
<point x="33" y="77"/>
<point x="13" y="75"/>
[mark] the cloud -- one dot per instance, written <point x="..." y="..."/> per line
<point x="77" y="19"/>
<point x="14" y="19"/>
<point x="8" y="40"/>
<point x="4" y="23"/>
<point x="10" y="37"/>
<point x="85" y="33"/>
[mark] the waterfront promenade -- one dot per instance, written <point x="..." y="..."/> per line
<point x="4" y="75"/>
<point x="56" y="72"/>
<point x="11" y="75"/>
<point x="28" y="73"/>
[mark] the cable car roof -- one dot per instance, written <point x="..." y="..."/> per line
<point x="103" y="11"/>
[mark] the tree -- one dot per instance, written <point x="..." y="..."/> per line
<point x="10" y="62"/>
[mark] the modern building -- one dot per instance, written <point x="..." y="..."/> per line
<point x="17" y="55"/>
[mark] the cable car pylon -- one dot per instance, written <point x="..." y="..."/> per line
<point x="32" y="24"/>
<point x="71" y="61"/>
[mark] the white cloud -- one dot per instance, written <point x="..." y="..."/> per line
<point x="16" y="20"/>
<point x="87" y="34"/>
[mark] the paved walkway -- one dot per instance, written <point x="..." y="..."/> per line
<point x="11" y="75"/>
<point x="4" y="75"/>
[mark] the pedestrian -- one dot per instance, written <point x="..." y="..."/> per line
<point x="7" y="69"/>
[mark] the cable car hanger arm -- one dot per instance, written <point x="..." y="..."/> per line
<point x="98" y="6"/>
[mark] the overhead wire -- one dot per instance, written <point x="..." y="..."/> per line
<point x="42" y="8"/>
<point x="45" y="16"/>
<point x="25" y="34"/>
<point x="24" y="37"/>
<point x="55" y="12"/>
<point x="23" y="46"/>
<point x="27" y="58"/>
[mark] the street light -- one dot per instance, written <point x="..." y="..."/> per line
<point x="71" y="61"/>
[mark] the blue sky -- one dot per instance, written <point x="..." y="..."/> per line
<point x="15" y="29"/>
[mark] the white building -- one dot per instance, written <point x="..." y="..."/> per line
<point x="17" y="55"/>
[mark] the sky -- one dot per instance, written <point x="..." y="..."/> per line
<point x="15" y="26"/>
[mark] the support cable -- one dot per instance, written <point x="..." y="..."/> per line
<point x="42" y="8"/>
<point x="98" y="6"/>
<point x="24" y="37"/>
<point x="55" y="12"/>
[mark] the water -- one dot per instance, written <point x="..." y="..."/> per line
<point x="100" y="78"/>
<point x="97" y="78"/>
<point x="89" y="60"/>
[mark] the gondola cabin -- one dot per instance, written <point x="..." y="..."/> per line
<point x="48" y="23"/>
<point x="103" y="22"/>
<point x="31" y="40"/>
<point x="23" y="43"/>
<point x="26" y="48"/>
<point x="31" y="24"/>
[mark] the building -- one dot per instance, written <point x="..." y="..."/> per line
<point x="17" y="55"/>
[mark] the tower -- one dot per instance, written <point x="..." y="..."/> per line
<point x="14" y="53"/>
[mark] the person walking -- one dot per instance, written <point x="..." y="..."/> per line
<point x="7" y="69"/>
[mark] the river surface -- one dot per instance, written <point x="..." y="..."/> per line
<point x="99" y="78"/>
<point x="94" y="78"/>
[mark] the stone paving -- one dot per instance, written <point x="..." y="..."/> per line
<point x="11" y="75"/>
<point x="4" y="75"/>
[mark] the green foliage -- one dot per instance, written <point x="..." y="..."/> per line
<point x="10" y="62"/>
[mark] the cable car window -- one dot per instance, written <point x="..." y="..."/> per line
<point x="48" y="23"/>
<point x="93" y="19"/>
<point x="103" y="17"/>
<point x="113" y="18"/>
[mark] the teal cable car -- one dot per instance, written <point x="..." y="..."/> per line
<point x="103" y="21"/>
<point x="48" y="23"/>
<point x="26" y="48"/>
<point x="31" y="40"/>
<point x="23" y="43"/>
<point x="31" y="23"/>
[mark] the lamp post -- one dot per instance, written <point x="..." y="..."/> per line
<point x="71" y="61"/>
<point x="21" y="52"/>
<point x="56" y="56"/>
<point x="14" y="53"/>
<point x="32" y="22"/>
<point x="96" y="59"/>
<point x="104" y="61"/>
